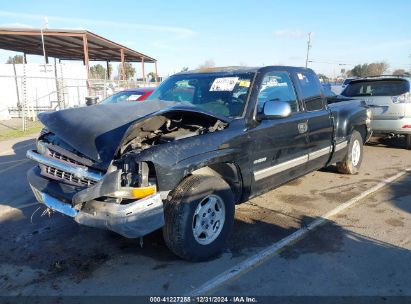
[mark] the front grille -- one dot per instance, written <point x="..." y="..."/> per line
<point x="44" y="131"/>
<point x="67" y="177"/>
<point x="57" y="153"/>
<point x="59" y="156"/>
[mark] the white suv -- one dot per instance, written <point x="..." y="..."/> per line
<point x="389" y="98"/>
<point x="347" y="81"/>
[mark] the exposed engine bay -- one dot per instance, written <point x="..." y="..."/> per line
<point x="168" y="127"/>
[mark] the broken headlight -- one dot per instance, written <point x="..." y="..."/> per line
<point x="133" y="192"/>
<point x="134" y="183"/>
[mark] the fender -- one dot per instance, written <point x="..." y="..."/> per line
<point x="168" y="180"/>
<point x="348" y="116"/>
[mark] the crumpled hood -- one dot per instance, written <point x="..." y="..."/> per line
<point x="96" y="131"/>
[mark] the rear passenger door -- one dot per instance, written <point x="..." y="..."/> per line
<point x="319" y="123"/>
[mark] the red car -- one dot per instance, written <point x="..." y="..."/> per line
<point x="139" y="94"/>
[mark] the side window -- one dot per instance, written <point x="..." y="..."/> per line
<point x="311" y="92"/>
<point x="277" y="86"/>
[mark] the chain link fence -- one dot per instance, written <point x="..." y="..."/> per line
<point x="25" y="96"/>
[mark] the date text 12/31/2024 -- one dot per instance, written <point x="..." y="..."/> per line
<point x="203" y="299"/>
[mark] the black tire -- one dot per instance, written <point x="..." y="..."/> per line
<point x="408" y="141"/>
<point x="347" y="166"/>
<point x="179" y="214"/>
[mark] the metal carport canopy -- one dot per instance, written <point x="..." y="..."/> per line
<point x="69" y="45"/>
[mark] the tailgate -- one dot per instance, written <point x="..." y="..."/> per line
<point x="383" y="107"/>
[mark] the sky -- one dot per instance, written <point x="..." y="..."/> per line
<point x="252" y="33"/>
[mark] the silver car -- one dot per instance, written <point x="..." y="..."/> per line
<point x="389" y="98"/>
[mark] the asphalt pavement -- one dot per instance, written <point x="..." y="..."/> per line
<point x="362" y="250"/>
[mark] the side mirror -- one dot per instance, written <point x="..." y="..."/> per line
<point x="275" y="109"/>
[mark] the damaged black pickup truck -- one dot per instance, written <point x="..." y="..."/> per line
<point x="203" y="142"/>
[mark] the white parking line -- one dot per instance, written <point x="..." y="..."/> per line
<point x="14" y="166"/>
<point x="7" y="152"/>
<point x="273" y="249"/>
<point x="12" y="161"/>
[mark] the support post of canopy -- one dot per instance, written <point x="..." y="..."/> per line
<point x="142" y="70"/>
<point x="123" y="66"/>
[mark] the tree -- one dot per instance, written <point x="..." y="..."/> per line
<point x="130" y="70"/>
<point x="378" y="68"/>
<point x="360" y="70"/>
<point x="399" y="72"/>
<point x="322" y="77"/>
<point x="17" y="59"/>
<point x="99" y="72"/>
<point x="209" y="63"/>
<point x="152" y="77"/>
<point x="372" y="69"/>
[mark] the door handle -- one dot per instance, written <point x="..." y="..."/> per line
<point x="302" y="127"/>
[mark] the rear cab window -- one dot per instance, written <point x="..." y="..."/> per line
<point x="310" y="91"/>
<point x="380" y="87"/>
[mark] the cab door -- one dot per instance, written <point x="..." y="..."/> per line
<point x="319" y="123"/>
<point x="279" y="146"/>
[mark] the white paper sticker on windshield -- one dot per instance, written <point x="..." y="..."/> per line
<point x="133" y="97"/>
<point x="224" y="84"/>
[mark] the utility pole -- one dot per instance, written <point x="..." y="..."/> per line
<point x="44" y="26"/>
<point x="308" y="49"/>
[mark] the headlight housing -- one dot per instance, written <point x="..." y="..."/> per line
<point x="133" y="192"/>
<point x="41" y="147"/>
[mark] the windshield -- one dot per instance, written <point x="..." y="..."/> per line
<point x="219" y="94"/>
<point x="121" y="97"/>
<point x="377" y="88"/>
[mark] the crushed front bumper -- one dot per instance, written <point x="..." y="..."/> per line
<point x="131" y="220"/>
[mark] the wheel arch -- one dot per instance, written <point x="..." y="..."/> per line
<point x="362" y="129"/>
<point x="228" y="171"/>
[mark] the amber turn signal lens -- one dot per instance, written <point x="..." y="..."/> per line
<point x="134" y="193"/>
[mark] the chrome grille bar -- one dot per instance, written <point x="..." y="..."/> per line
<point x="79" y="172"/>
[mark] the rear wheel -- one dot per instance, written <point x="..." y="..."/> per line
<point x="353" y="159"/>
<point x="199" y="217"/>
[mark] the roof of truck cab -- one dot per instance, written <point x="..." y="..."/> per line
<point x="238" y="69"/>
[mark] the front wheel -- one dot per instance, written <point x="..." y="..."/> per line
<point x="199" y="217"/>
<point x="353" y="159"/>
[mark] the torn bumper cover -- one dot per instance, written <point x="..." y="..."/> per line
<point x="131" y="220"/>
